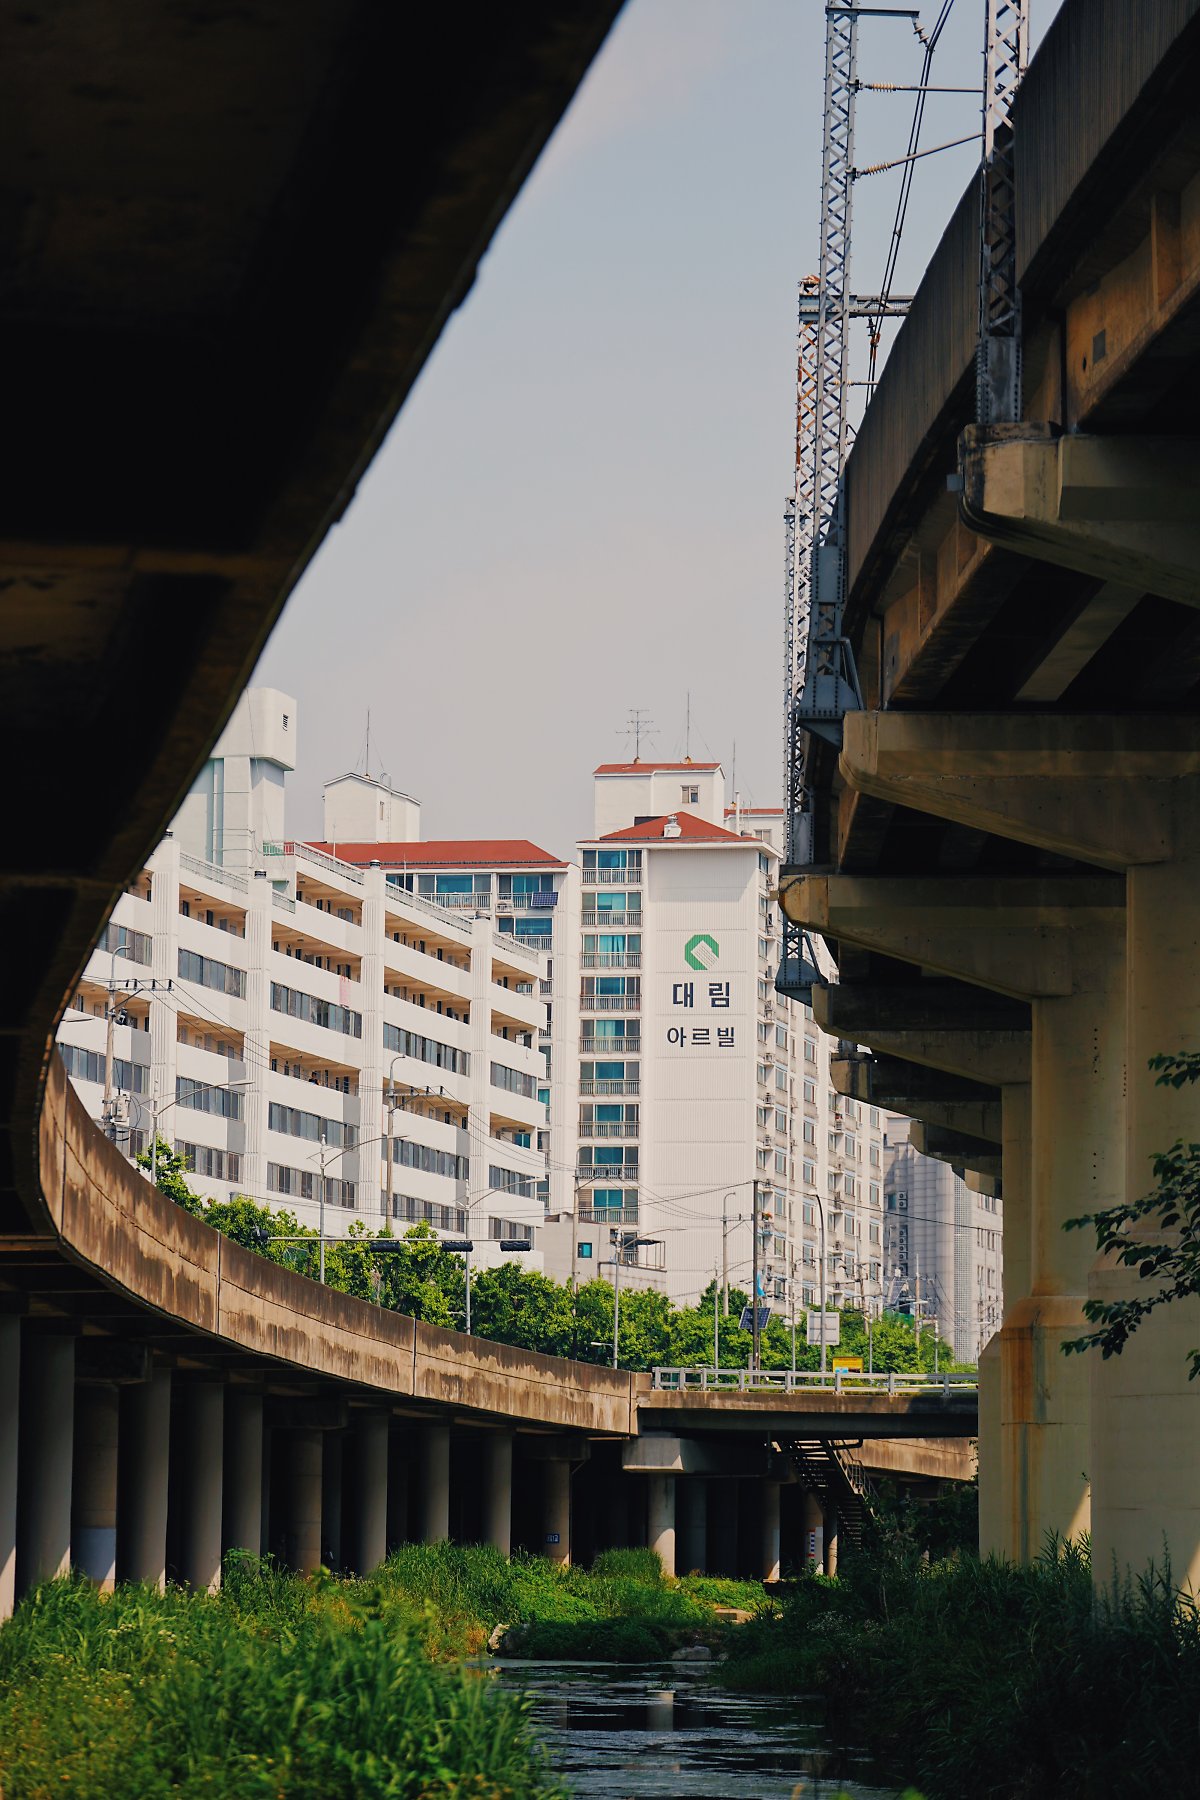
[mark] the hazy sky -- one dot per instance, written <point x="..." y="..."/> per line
<point x="579" y="510"/>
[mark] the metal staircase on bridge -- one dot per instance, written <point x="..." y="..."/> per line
<point x="837" y="1480"/>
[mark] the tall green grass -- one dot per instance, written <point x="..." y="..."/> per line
<point x="278" y="1687"/>
<point x="983" y="1681"/>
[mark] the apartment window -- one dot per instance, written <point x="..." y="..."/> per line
<point x="781" y="1037"/>
<point x="689" y="796"/>
<point x="875" y="1117"/>
<point x="407" y="1155"/>
<point x="810" y="1132"/>
<point x="305" y="1184"/>
<point x="136" y="945"/>
<point x="781" y="1120"/>
<point x="200" y="1097"/>
<point x="764" y="949"/>
<point x="764" y="862"/>
<point x="215" y="1165"/>
<point x="810" y="1213"/>
<point x="809" y="1174"/>
<point x="295" y="1123"/>
<point x="424" y="1049"/>
<point x="762" y="1074"/>
<point x="316" y="1012"/>
<point x="874" y="1193"/>
<point x="810" y="1093"/>
<point x="515" y="1081"/>
<point x="810" y="1055"/>
<point x="781" y="1162"/>
<point x="88" y="1065"/>
<point x="781" y="1080"/>
<point x="762" y="1158"/>
<point x="207" y="972"/>
<point x="511" y="1181"/>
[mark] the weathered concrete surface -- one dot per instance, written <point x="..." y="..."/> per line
<point x="940" y="1459"/>
<point x="817" y="1413"/>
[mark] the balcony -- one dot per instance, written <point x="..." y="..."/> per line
<point x="609" y="1128"/>
<point x="610" y="1003"/>
<point x="601" y="1088"/>
<point x="613" y="877"/>
<point x="606" y="1046"/>
<point x="460" y="902"/>
<point x="604" y="1172"/>
<point x="608" y="1215"/>
<point x="611" y="959"/>
<point x="613" y="921"/>
<point x="527" y="902"/>
<point x="507" y="938"/>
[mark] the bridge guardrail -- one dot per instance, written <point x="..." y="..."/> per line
<point x="839" y="1381"/>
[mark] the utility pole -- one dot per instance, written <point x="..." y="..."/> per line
<point x="110" y="1014"/>
<point x="725" y="1254"/>
<point x="321" y="1223"/>
<point x="716" y="1322"/>
<point x="618" y="1241"/>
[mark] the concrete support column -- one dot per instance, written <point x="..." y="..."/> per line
<point x="1145" y="1460"/>
<point x="770" y="1530"/>
<point x="497" y="1491"/>
<point x="94" y="1483"/>
<point x="304" y="1461"/>
<point x="1077" y="1166"/>
<point x="369" y="1451"/>
<point x="693" y="1534"/>
<point x="435" y="1483"/>
<point x="991" y="1484"/>
<point x="831" y="1540"/>
<point x="47" y="1428"/>
<point x="556" y="1536"/>
<point x="242" y="1504"/>
<point x="10" y="1393"/>
<point x="142" y="1488"/>
<point x="724" y="1496"/>
<point x="331" y="1499"/>
<point x="660" y="1519"/>
<point x="814" y="1532"/>
<point x="201" y="1460"/>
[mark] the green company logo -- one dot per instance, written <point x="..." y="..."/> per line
<point x="701" y="951"/>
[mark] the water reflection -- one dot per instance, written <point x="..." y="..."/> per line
<point x="641" y="1733"/>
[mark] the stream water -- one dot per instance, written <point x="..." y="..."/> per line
<point x="666" y="1732"/>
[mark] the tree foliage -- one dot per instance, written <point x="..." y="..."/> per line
<point x="1158" y="1236"/>
<point x="511" y="1304"/>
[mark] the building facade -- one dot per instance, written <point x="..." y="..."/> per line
<point x="315" y="1035"/>
<point x="942" y="1246"/>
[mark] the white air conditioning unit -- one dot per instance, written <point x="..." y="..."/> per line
<point x="504" y="906"/>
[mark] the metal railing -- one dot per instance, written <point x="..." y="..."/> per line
<point x="608" y="1215"/>
<point x="611" y="959"/>
<point x="788" y="1381"/>
<point x="539" y="901"/>
<point x="603" y="1172"/>
<point x="213" y="872"/>
<point x="284" y="902"/>
<point x="405" y="897"/>
<point x="609" y="1128"/>
<point x="463" y="902"/>
<point x="615" y="1046"/>
<point x="320" y="859"/>
<point x="542" y="941"/>
<point x="610" y="1003"/>
<point x="616" y="921"/>
<point x="611" y="877"/>
<point x="610" y="1087"/>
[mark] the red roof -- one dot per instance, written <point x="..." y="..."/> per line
<point x="691" y="830"/>
<point x="648" y="768"/>
<point x="450" y="853"/>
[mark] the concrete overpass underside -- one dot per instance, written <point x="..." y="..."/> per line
<point x="230" y="238"/>
<point x="1009" y="832"/>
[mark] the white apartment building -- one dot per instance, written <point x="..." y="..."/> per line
<point x="942" y="1246"/>
<point x="300" y="1026"/>
<point x="696" y="1080"/>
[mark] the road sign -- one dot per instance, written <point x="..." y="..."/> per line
<point x="851" y="1365"/>
<point x="552" y="1537"/>
<point x="824" y="1328"/>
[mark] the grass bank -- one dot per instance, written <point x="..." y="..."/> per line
<point x="320" y="1689"/>
<point x="982" y="1681"/>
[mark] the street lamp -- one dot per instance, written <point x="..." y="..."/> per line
<point x="621" y="1242"/>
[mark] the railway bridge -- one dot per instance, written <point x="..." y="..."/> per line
<point x="1007" y="834"/>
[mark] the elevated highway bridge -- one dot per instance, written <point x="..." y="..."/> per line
<point x="1008" y="833"/>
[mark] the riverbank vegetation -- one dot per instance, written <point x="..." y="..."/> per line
<point x="984" y="1681"/>
<point x="413" y="1274"/>
<point x="322" y="1688"/>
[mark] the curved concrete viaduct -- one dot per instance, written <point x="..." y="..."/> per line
<point x="229" y="249"/>
<point x="1009" y="832"/>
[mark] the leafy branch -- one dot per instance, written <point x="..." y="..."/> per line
<point x="1166" y="1249"/>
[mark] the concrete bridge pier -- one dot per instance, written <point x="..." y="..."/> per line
<point x="332" y="1476"/>
<point x="304" y="1464"/>
<point x="435" y="1483"/>
<point x="44" y="1457"/>
<point x="769" y="1492"/>
<point x="143" y="1479"/>
<point x="242" y="1476"/>
<point x="368" y="1448"/>
<point x="830" y="1547"/>
<point x="198" y="1432"/>
<point x="692" y="1504"/>
<point x="497" y="1496"/>
<point x="1146" y="1447"/>
<point x="814" y="1532"/>
<point x="660" y="1519"/>
<point x="724" y="1512"/>
<point x="94" y="1482"/>
<point x="556" y="1535"/>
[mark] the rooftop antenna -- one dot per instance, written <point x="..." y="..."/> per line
<point x="687" y="729"/>
<point x="638" y="726"/>
<point x="368" y="743"/>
